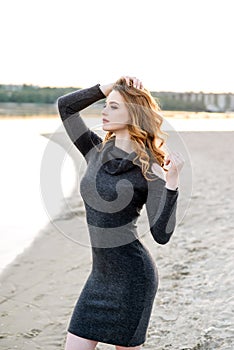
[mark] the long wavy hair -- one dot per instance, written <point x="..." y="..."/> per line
<point x="144" y="127"/>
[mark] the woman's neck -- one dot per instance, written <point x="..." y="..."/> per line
<point x="124" y="142"/>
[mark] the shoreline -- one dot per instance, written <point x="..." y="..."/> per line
<point x="96" y="113"/>
<point x="193" y="305"/>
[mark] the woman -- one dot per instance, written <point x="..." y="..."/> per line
<point x="124" y="171"/>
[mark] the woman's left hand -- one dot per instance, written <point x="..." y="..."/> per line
<point x="175" y="161"/>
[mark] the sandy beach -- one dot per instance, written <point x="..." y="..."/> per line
<point x="194" y="305"/>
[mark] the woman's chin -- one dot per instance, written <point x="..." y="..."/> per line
<point x="106" y="127"/>
<point x="114" y="126"/>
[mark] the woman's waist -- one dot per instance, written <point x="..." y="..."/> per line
<point x="111" y="237"/>
<point x="112" y="220"/>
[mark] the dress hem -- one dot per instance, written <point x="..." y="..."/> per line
<point x="103" y="340"/>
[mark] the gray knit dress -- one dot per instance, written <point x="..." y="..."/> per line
<point x="115" y="304"/>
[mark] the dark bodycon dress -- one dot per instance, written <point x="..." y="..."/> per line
<point x="115" y="304"/>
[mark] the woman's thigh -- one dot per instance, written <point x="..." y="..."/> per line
<point x="73" y="342"/>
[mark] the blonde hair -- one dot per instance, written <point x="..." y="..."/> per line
<point x="145" y="127"/>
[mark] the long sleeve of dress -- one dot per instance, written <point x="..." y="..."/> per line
<point x="161" y="208"/>
<point x="69" y="107"/>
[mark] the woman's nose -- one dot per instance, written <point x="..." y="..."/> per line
<point x="104" y="112"/>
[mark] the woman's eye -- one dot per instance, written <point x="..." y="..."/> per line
<point x="112" y="107"/>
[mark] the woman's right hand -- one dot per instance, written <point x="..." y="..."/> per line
<point x="131" y="81"/>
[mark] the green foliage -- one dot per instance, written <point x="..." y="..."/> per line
<point x="32" y="94"/>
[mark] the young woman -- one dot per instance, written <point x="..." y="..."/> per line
<point x="125" y="170"/>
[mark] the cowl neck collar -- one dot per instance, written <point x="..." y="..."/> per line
<point x="115" y="160"/>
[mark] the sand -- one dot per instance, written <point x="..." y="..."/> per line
<point x="194" y="305"/>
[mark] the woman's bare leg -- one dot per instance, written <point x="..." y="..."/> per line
<point x="127" y="348"/>
<point x="73" y="342"/>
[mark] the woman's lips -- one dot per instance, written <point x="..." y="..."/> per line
<point x="105" y="120"/>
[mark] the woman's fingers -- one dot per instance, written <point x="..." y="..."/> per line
<point x="127" y="79"/>
<point x="133" y="81"/>
<point x="175" y="160"/>
<point x="137" y="84"/>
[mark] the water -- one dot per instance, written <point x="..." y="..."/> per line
<point x="21" y="206"/>
<point x="22" y="146"/>
<point x="26" y="109"/>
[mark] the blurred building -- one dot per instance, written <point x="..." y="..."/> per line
<point x="210" y="102"/>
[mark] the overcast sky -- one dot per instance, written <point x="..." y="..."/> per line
<point x="180" y="45"/>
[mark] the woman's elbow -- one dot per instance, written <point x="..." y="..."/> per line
<point x="161" y="237"/>
<point x="60" y="103"/>
<point x="61" y="107"/>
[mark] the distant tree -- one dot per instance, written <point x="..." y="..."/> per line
<point x="31" y="94"/>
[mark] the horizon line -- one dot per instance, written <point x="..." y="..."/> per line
<point x="79" y="87"/>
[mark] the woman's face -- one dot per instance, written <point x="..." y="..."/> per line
<point x="115" y="114"/>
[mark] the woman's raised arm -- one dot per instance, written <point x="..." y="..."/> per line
<point x="69" y="107"/>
